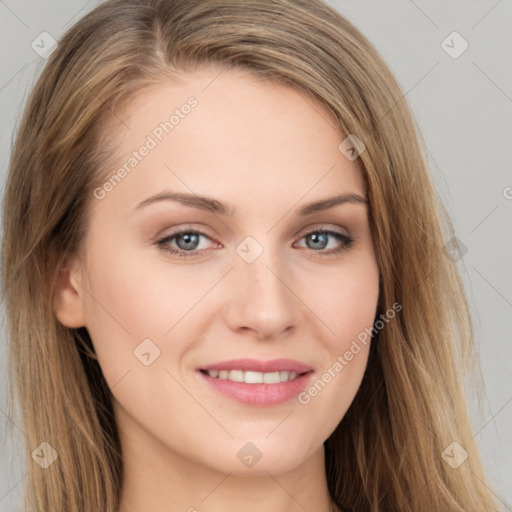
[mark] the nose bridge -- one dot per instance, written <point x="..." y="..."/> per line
<point x="264" y="301"/>
<point x="259" y="273"/>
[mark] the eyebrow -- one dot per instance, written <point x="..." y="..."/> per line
<point x="213" y="205"/>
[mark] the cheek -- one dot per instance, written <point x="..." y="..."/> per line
<point x="133" y="297"/>
<point x="347" y="306"/>
<point x="345" y="301"/>
<point x="330" y="394"/>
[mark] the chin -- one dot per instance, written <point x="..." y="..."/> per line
<point x="260" y="458"/>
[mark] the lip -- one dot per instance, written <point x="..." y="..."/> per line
<point x="258" y="365"/>
<point x="259" y="395"/>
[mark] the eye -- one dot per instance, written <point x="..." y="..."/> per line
<point x="187" y="241"/>
<point x="319" y="239"/>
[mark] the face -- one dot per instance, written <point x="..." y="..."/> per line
<point x="239" y="266"/>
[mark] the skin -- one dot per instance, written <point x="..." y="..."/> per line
<point x="266" y="150"/>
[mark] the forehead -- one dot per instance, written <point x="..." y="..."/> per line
<point x="229" y="134"/>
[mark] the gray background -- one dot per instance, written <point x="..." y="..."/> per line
<point x="464" y="108"/>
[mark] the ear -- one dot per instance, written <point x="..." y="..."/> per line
<point x="68" y="302"/>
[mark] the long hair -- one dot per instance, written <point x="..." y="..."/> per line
<point x="387" y="452"/>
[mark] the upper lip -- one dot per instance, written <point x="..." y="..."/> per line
<point x="258" y="365"/>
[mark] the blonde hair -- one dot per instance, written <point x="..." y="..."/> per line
<point x="386" y="453"/>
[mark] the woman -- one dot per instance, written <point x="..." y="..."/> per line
<point x="189" y="345"/>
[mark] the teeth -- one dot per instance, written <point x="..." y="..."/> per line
<point x="271" y="378"/>
<point x="251" y="377"/>
<point x="236" y="375"/>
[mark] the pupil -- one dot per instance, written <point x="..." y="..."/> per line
<point x="189" y="239"/>
<point x="315" y="237"/>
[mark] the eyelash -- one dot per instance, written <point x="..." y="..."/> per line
<point x="346" y="240"/>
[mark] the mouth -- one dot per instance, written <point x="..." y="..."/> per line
<point x="252" y="377"/>
<point x="257" y="383"/>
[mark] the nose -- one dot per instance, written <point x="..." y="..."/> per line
<point x="265" y="303"/>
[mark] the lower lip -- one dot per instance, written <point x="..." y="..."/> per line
<point x="260" y="395"/>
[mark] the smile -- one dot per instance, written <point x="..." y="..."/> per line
<point x="255" y="382"/>
<point x="252" y="377"/>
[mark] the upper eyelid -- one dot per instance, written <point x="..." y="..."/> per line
<point x="204" y="231"/>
